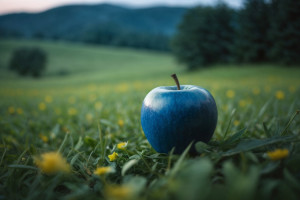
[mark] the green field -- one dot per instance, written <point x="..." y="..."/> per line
<point x="89" y="101"/>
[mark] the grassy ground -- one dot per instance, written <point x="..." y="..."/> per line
<point x="85" y="114"/>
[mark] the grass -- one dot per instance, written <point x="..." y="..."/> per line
<point x="87" y="113"/>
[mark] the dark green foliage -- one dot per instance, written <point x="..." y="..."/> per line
<point x="252" y="44"/>
<point x="205" y="36"/>
<point x="285" y="31"/>
<point x="113" y="35"/>
<point x="28" y="61"/>
<point x="262" y="31"/>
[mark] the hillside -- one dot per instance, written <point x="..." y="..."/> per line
<point x="87" y="22"/>
<point x="83" y="64"/>
<point x="72" y="65"/>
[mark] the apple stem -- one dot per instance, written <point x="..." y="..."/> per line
<point x="176" y="80"/>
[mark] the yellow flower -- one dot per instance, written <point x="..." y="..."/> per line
<point x="236" y="122"/>
<point x="256" y="91"/>
<point x="98" y="105"/>
<point x="57" y="111"/>
<point x="92" y="98"/>
<point x="72" y="100"/>
<point x="137" y="85"/>
<point x="20" y="111"/>
<point x="11" y="110"/>
<point x="60" y="120"/>
<point x="48" y="99"/>
<point x="52" y="162"/>
<point x="103" y="170"/>
<point x="121" y="123"/>
<point x="230" y="94"/>
<point x="113" y="156"/>
<point x="65" y="129"/>
<point x="225" y="108"/>
<point x="42" y="106"/>
<point x="279" y="95"/>
<point x="44" y="138"/>
<point x="89" y="117"/>
<point x="122" y="145"/>
<point x="242" y="103"/>
<point x="122" y="87"/>
<point x="72" y="111"/>
<point x="118" y="192"/>
<point x="267" y="88"/>
<point x="292" y="89"/>
<point x="278" y="154"/>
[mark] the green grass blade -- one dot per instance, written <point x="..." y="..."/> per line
<point x="63" y="143"/>
<point x="289" y="123"/>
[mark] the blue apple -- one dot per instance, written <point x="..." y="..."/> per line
<point x="176" y="116"/>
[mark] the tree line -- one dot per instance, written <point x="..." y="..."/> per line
<point x="260" y="32"/>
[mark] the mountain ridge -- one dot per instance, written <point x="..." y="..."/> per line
<point x="76" y="19"/>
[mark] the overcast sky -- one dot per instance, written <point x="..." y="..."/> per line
<point x="8" y="6"/>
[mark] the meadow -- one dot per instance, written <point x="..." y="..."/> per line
<point x="86" y="109"/>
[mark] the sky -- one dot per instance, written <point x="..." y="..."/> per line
<point x="9" y="6"/>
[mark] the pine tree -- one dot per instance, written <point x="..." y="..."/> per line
<point x="205" y="36"/>
<point x="285" y="31"/>
<point x="252" y="43"/>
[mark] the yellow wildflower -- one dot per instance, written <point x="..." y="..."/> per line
<point x="122" y="145"/>
<point x="89" y="117"/>
<point x="72" y="100"/>
<point x="52" y="162"/>
<point x="11" y="110"/>
<point x="48" y="99"/>
<point x="20" y="111"/>
<point x="44" y="138"/>
<point x="113" y="156"/>
<point x="256" y="91"/>
<point x="121" y="122"/>
<point x="292" y="89"/>
<point x="267" y="88"/>
<point x="60" y="120"/>
<point x="122" y="87"/>
<point x="92" y="98"/>
<point x="103" y="170"/>
<point x="225" y="108"/>
<point x="278" y="154"/>
<point x="279" y="95"/>
<point x="57" y="111"/>
<point x="230" y="94"/>
<point x="42" y="106"/>
<point x="118" y="192"/>
<point x="236" y="122"/>
<point x="65" y="129"/>
<point x="242" y="103"/>
<point x="137" y="85"/>
<point x="72" y="111"/>
<point x="98" y="105"/>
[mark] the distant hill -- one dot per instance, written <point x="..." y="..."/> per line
<point x="102" y="24"/>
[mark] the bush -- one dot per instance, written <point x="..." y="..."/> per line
<point x="28" y="61"/>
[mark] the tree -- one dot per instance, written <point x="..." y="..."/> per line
<point x="285" y="31"/>
<point x="252" y="43"/>
<point x="205" y="36"/>
<point x="28" y="61"/>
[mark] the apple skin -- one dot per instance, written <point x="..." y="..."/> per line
<point x="174" y="118"/>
